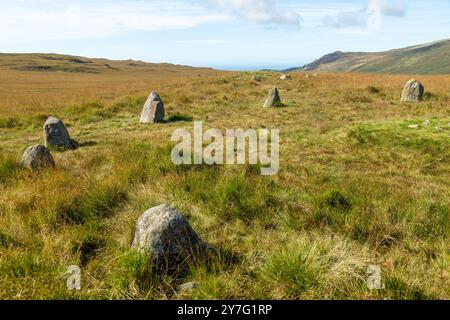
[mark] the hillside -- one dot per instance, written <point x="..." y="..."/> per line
<point x="44" y="62"/>
<point x="431" y="58"/>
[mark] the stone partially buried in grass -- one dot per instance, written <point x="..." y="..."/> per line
<point x="256" y="78"/>
<point x="413" y="91"/>
<point x="153" y="111"/>
<point x="57" y="136"/>
<point x="273" y="100"/>
<point x="167" y="238"/>
<point x="285" y="77"/>
<point x="37" y="157"/>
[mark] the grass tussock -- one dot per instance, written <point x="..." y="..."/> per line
<point x="9" y="167"/>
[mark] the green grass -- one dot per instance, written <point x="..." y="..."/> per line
<point x="9" y="167"/>
<point x="431" y="142"/>
<point x="435" y="223"/>
<point x="398" y="289"/>
<point x="431" y="58"/>
<point x="9" y="123"/>
<point x="295" y="270"/>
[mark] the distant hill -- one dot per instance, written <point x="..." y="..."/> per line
<point x="431" y="58"/>
<point x="44" y="62"/>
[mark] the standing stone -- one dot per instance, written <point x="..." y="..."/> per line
<point x="413" y="91"/>
<point x="273" y="101"/>
<point x="57" y="136"/>
<point x="153" y="111"/>
<point x="166" y="236"/>
<point x="37" y="157"/>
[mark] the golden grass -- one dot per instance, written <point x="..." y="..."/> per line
<point x="356" y="186"/>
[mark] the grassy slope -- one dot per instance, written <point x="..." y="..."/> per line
<point x="65" y="63"/>
<point x="357" y="186"/>
<point x="431" y="58"/>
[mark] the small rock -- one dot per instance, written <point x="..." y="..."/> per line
<point x="37" y="157"/>
<point x="285" y="77"/>
<point x="273" y="100"/>
<point x="256" y="78"/>
<point x="413" y="91"/>
<point x="153" y="110"/>
<point x="414" y="126"/>
<point x="57" y="136"/>
<point x="426" y="123"/>
<point x="189" y="286"/>
<point x="167" y="237"/>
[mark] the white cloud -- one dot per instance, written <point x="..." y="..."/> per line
<point x="258" y="11"/>
<point x="345" y="19"/>
<point x="387" y="8"/>
<point x="369" y="16"/>
<point x="28" y="21"/>
<point x="43" y="20"/>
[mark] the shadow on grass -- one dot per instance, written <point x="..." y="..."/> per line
<point x="75" y="145"/>
<point x="179" y="118"/>
<point x="87" y="144"/>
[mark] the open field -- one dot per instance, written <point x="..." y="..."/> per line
<point x="357" y="186"/>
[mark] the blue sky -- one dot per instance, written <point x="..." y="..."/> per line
<point x="228" y="34"/>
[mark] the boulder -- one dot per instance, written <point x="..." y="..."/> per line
<point x="56" y="135"/>
<point x="413" y="91"/>
<point x="285" y="77"/>
<point x="167" y="237"/>
<point x="153" y="111"/>
<point x="273" y="100"/>
<point x="37" y="157"/>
